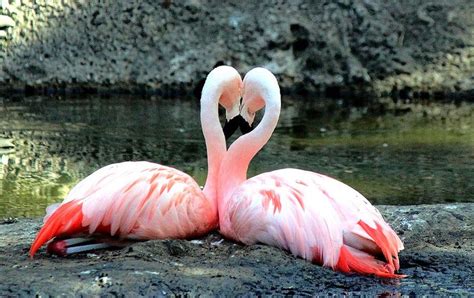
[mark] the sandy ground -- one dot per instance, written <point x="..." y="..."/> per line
<point x="438" y="259"/>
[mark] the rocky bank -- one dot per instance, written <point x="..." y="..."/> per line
<point x="404" y="48"/>
<point x="438" y="259"/>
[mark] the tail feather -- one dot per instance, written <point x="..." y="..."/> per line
<point x="66" y="219"/>
<point x="388" y="244"/>
<point x="50" y="210"/>
<point x="353" y="260"/>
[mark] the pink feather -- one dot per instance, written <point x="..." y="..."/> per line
<point x="313" y="216"/>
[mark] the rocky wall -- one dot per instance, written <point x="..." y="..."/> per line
<point x="405" y="48"/>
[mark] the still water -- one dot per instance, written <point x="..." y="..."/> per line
<point x="393" y="153"/>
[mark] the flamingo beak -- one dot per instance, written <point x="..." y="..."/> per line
<point x="245" y="127"/>
<point x="231" y="126"/>
<point x="238" y="117"/>
<point x="246" y="120"/>
<point x="237" y="122"/>
<point x="232" y="119"/>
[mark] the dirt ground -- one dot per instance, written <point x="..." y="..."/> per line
<point x="438" y="259"/>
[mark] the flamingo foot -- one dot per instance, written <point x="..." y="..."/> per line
<point x="64" y="247"/>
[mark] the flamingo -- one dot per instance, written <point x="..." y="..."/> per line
<point x="144" y="200"/>
<point x="313" y="216"/>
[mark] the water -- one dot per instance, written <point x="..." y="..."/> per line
<point x="392" y="153"/>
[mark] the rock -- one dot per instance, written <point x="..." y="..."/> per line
<point x="6" y="143"/>
<point x="6" y="21"/>
<point x="169" y="47"/>
<point x="438" y="259"/>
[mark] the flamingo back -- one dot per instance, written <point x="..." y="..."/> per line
<point x="315" y="217"/>
<point x="136" y="200"/>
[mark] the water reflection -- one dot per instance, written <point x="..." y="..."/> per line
<point x="393" y="154"/>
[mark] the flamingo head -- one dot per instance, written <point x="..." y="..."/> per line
<point x="230" y="100"/>
<point x="228" y="81"/>
<point x="259" y="83"/>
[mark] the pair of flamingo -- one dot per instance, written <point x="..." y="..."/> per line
<point x="311" y="215"/>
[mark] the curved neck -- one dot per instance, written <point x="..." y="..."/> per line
<point x="213" y="135"/>
<point x="234" y="166"/>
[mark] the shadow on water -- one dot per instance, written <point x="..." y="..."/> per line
<point x="392" y="153"/>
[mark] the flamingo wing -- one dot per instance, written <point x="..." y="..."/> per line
<point x="137" y="200"/>
<point x="315" y="217"/>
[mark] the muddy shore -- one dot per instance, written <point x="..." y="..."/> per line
<point x="438" y="259"/>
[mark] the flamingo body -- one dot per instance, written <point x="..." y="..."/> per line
<point x="134" y="200"/>
<point x="144" y="200"/>
<point x="314" y="217"/>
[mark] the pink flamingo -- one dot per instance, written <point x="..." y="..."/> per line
<point x="144" y="200"/>
<point x="313" y="216"/>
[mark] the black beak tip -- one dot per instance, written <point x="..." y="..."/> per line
<point x="231" y="126"/>
<point x="244" y="126"/>
<point x="237" y="122"/>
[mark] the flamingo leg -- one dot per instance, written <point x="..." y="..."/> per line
<point x="64" y="247"/>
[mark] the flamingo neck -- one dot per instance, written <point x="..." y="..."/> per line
<point x="234" y="166"/>
<point x="214" y="137"/>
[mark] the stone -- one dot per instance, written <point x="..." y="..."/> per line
<point x="170" y="46"/>
<point x="6" y="21"/>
